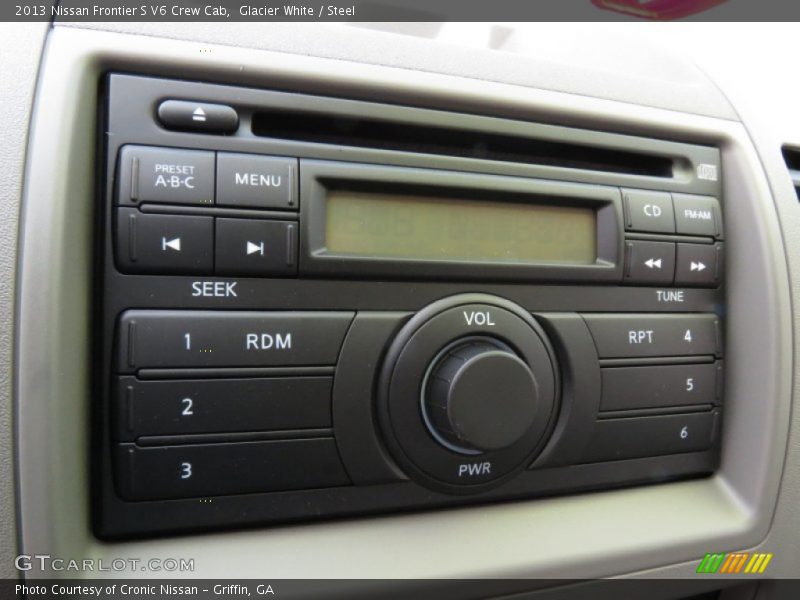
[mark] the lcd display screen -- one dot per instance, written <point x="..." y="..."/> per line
<point x="415" y="227"/>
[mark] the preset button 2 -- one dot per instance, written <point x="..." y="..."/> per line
<point x="187" y="406"/>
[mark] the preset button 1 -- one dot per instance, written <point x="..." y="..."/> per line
<point x="175" y="338"/>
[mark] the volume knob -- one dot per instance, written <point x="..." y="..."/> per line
<point x="479" y="396"/>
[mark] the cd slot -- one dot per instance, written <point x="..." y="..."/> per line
<point x="340" y="130"/>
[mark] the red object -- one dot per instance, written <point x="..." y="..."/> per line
<point x="663" y="10"/>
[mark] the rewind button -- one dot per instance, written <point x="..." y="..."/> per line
<point x="649" y="263"/>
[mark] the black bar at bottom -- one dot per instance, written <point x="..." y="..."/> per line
<point x="204" y="470"/>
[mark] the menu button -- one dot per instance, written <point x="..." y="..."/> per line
<point x="257" y="181"/>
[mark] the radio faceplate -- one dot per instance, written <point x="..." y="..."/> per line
<point x="248" y="376"/>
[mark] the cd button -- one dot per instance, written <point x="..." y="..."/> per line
<point x="648" y="211"/>
<point x="649" y="263"/>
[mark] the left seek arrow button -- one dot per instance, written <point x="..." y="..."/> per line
<point x="149" y="243"/>
<point x="198" y="116"/>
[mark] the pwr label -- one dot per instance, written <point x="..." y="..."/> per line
<point x="474" y="469"/>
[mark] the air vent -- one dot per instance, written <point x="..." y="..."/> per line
<point x="422" y="139"/>
<point x="792" y="158"/>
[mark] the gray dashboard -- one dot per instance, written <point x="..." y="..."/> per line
<point x="656" y="531"/>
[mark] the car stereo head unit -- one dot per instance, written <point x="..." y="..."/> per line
<point x="316" y="307"/>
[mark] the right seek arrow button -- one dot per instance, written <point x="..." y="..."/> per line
<point x="698" y="265"/>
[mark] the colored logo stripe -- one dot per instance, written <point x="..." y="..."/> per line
<point x="710" y="563"/>
<point x="735" y="562"/>
<point x="758" y="564"/>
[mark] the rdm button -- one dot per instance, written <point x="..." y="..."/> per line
<point x="174" y="338"/>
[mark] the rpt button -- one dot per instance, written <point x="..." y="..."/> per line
<point x="176" y="176"/>
<point x="633" y="336"/>
<point x="257" y="181"/>
<point x="175" y="339"/>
